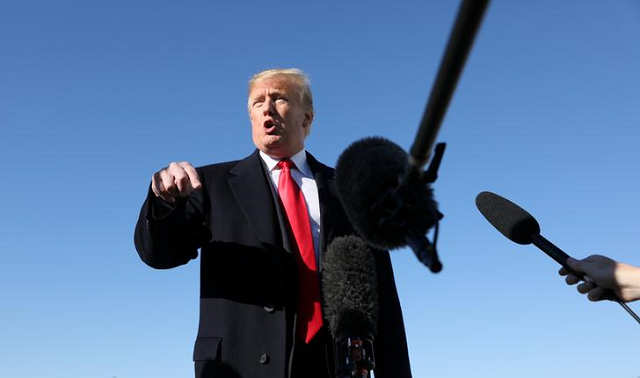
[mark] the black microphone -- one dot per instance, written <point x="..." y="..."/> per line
<point x="350" y="302"/>
<point x="383" y="189"/>
<point x="390" y="204"/>
<point x="521" y="227"/>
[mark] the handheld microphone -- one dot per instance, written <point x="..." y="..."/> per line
<point x="350" y="301"/>
<point x="521" y="227"/>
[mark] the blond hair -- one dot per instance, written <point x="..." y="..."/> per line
<point x="293" y="75"/>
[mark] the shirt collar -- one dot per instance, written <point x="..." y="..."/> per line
<point x="299" y="159"/>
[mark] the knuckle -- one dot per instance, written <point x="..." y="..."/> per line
<point x="177" y="178"/>
<point x="169" y="186"/>
<point x="182" y="181"/>
<point x="157" y="177"/>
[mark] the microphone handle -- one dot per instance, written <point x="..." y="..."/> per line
<point x="354" y="357"/>
<point x="461" y="39"/>
<point x="561" y="258"/>
<point x="554" y="252"/>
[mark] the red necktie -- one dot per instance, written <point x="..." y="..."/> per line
<point x="309" y="311"/>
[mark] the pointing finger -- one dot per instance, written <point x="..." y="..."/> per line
<point x="162" y="193"/>
<point x="168" y="183"/>
<point x="158" y="187"/>
<point x="181" y="179"/>
<point x="193" y="175"/>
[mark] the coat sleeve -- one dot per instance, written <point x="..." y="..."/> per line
<point x="390" y="347"/>
<point x="169" y="235"/>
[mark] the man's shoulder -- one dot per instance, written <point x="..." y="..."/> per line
<point x="317" y="166"/>
<point x="228" y="168"/>
<point x="226" y="165"/>
<point x="218" y="167"/>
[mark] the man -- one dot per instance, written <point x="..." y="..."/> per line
<point x="604" y="273"/>
<point x="262" y="224"/>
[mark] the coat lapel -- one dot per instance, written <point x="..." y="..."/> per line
<point x="328" y="200"/>
<point x="254" y="195"/>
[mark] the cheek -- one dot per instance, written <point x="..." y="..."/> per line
<point x="254" y="124"/>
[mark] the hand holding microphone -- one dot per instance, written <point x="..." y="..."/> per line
<point x="521" y="227"/>
<point x="603" y="273"/>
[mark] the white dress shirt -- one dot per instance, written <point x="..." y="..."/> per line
<point x="303" y="176"/>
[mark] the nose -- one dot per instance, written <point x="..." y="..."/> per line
<point x="267" y="106"/>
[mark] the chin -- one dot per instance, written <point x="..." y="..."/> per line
<point x="274" y="151"/>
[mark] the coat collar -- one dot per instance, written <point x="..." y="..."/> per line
<point x="299" y="160"/>
<point x="252" y="189"/>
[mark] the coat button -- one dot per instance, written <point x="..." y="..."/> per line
<point x="269" y="308"/>
<point x="264" y="359"/>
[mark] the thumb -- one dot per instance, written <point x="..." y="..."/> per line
<point x="196" y="183"/>
<point x="575" y="264"/>
<point x="194" y="178"/>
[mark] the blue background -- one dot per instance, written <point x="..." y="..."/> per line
<point x="96" y="96"/>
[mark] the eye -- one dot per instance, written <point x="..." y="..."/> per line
<point x="257" y="103"/>
<point x="281" y="100"/>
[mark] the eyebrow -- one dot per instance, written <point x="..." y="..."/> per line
<point x="276" y="92"/>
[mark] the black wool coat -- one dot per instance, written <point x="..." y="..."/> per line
<point x="248" y="277"/>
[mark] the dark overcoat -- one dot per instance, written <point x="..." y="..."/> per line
<point x="248" y="274"/>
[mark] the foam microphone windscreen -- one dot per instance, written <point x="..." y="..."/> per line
<point x="366" y="172"/>
<point x="349" y="288"/>
<point x="510" y="219"/>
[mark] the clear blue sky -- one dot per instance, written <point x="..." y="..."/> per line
<point x="96" y="96"/>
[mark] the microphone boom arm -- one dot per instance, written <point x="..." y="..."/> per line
<point x="461" y="39"/>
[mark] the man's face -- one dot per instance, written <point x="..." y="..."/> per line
<point x="279" y="122"/>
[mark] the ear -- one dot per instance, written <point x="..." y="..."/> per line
<point x="308" y="119"/>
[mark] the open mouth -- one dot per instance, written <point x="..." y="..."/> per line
<point x="269" y="126"/>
